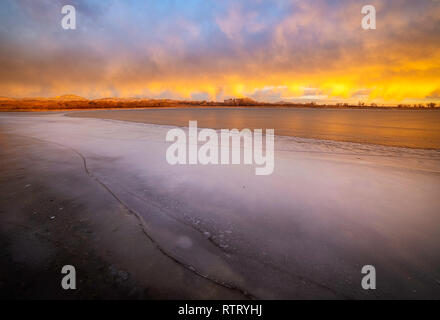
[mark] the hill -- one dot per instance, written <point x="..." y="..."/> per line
<point x="71" y="97"/>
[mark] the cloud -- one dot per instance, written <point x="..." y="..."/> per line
<point x="435" y="95"/>
<point x="268" y="50"/>
<point x="239" y="22"/>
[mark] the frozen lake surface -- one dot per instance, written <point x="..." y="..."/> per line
<point x="305" y="231"/>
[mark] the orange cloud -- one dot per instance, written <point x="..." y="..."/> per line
<point x="271" y="51"/>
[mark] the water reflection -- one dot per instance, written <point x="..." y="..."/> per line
<point x="405" y="128"/>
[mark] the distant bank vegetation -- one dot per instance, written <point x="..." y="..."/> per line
<point x="72" y="102"/>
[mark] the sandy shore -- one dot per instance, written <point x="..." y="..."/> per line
<point x="139" y="228"/>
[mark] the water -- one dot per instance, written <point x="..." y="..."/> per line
<point x="303" y="232"/>
<point x="401" y="128"/>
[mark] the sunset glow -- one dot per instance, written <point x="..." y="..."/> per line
<point x="214" y="50"/>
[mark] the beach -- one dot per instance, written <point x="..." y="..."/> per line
<point x="99" y="194"/>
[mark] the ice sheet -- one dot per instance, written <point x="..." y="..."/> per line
<point x="305" y="231"/>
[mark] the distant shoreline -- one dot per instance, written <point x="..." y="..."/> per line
<point x="76" y="103"/>
<point x="24" y="108"/>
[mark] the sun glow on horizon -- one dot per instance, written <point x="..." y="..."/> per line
<point x="268" y="51"/>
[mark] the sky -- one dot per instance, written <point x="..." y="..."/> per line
<point x="270" y="51"/>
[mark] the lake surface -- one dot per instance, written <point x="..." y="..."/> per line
<point x="401" y="128"/>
